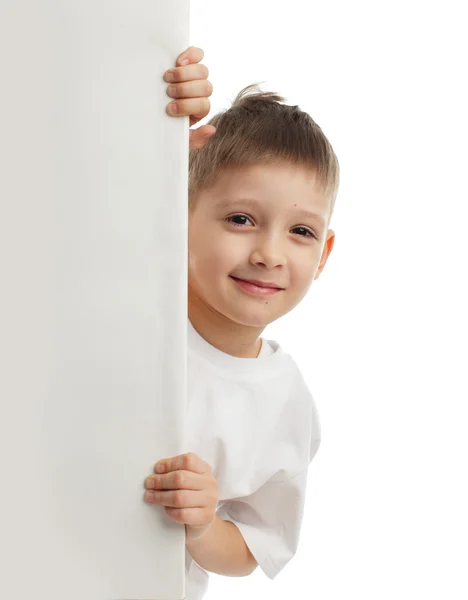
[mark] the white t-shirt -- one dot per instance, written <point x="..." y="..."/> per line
<point x="254" y="421"/>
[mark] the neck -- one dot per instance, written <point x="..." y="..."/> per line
<point x="225" y="335"/>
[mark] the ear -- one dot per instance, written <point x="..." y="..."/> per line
<point x="327" y="248"/>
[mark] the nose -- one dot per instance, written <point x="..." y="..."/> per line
<point x="268" y="253"/>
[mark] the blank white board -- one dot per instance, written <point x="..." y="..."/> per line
<point x="93" y="314"/>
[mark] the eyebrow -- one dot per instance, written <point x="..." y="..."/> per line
<point x="231" y="202"/>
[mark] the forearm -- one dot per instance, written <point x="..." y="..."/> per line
<point x="222" y="550"/>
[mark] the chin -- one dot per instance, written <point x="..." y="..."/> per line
<point x="249" y="318"/>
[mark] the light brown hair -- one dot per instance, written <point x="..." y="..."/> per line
<point x="257" y="129"/>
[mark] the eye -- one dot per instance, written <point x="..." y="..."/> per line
<point x="308" y="233"/>
<point x="229" y="219"/>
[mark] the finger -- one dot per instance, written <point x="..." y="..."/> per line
<point x="177" y="498"/>
<point x="190" y="89"/>
<point x="196" y="108"/>
<point x="189" y="516"/>
<point x="175" y="480"/>
<point x="201" y="135"/>
<point x="192" y="55"/>
<point x="189" y="73"/>
<point x="188" y="462"/>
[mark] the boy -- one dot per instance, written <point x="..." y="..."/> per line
<point x="261" y="196"/>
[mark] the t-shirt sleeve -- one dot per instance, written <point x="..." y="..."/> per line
<point x="270" y="521"/>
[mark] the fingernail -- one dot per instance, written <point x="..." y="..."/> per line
<point x="184" y="62"/>
<point x="149" y="496"/>
<point x="170" y="75"/>
<point x="173" y="108"/>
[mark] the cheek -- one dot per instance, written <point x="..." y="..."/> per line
<point x="205" y="264"/>
<point x="213" y="254"/>
<point x="303" y="270"/>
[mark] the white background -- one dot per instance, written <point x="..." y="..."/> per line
<point x="381" y="336"/>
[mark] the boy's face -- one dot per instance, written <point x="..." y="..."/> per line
<point x="258" y="233"/>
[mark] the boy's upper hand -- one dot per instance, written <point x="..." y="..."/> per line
<point x="188" y="490"/>
<point x="190" y="88"/>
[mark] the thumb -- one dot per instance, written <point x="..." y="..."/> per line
<point x="199" y="136"/>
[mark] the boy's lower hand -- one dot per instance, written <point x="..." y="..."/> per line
<point x="188" y="491"/>
<point x="191" y="89"/>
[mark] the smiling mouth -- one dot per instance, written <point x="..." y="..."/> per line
<point x="256" y="290"/>
<point x="272" y="286"/>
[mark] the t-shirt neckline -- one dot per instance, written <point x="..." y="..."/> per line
<point x="234" y="363"/>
